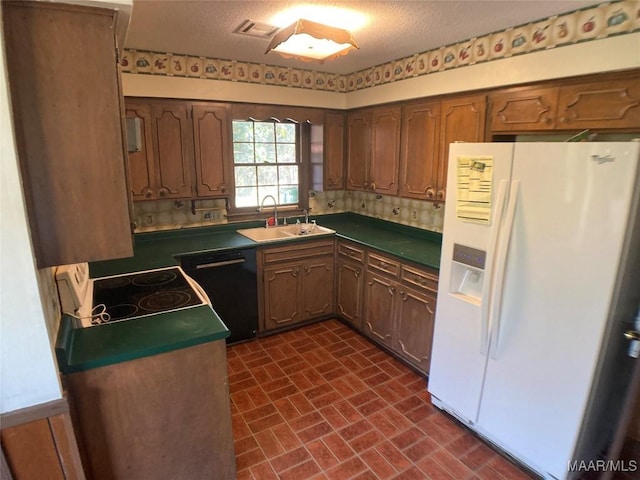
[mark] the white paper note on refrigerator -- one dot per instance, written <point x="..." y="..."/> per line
<point x="475" y="178"/>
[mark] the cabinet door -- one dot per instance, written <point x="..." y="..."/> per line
<point x="420" y="148"/>
<point x="141" y="165"/>
<point x="599" y="105"/>
<point x="349" y="291"/>
<point x="282" y="294"/>
<point x="463" y="120"/>
<point x="172" y="152"/>
<point x="414" y="331"/>
<point x="524" y="110"/>
<point x="385" y="153"/>
<point x="211" y="149"/>
<point x="317" y="287"/>
<point x="334" y="151"/>
<point x="358" y="144"/>
<point x="67" y="114"/>
<point x="380" y="294"/>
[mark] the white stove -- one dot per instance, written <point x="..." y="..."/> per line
<point x="123" y="297"/>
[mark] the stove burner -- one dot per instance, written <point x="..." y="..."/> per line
<point x="113" y="282"/>
<point x="154" y="279"/>
<point x="124" y="310"/>
<point x="161" y="301"/>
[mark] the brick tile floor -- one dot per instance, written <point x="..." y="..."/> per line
<point x="322" y="402"/>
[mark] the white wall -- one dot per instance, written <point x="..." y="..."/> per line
<point x="609" y="54"/>
<point x="28" y="372"/>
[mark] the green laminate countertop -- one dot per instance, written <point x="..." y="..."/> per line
<point x="409" y="243"/>
<point x="79" y="349"/>
<point x="161" y="249"/>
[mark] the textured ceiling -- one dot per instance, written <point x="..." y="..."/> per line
<point x="393" y="30"/>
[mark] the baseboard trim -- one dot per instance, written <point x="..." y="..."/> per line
<point x="34" y="412"/>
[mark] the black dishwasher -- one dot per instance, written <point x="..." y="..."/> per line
<point x="230" y="280"/>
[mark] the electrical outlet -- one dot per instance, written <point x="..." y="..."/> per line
<point x="149" y="220"/>
<point x="414" y="214"/>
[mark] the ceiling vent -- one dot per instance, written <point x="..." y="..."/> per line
<point x="255" y="29"/>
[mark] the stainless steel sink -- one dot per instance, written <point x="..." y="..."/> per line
<point x="284" y="232"/>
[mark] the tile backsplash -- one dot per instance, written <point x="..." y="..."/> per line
<point x="150" y="216"/>
<point x="174" y="214"/>
<point x="416" y="213"/>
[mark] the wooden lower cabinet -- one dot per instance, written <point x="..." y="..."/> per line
<point x="380" y="305"/>
<point x="163" y="416"/>
<point x="282" y="289"/>
<point x="399" y="308"/>
<point x="350" y="282"/>
<point x="415" y="321"/>
<point x="39" y="442"/>
<point x="349" y="279"/>
<point x="296" y="283"/>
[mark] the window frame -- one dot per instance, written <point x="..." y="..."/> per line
<point x="303" y="159"/>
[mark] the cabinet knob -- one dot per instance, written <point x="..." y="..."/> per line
<point x="148" y="194"/>
<point x="163" y="192"/>
<point x="295" y="271"/>
<point x="564" y="120"/>
<point x="223" y="188"/>
<point x="392" y="290"/>
<point x="547" y="120"/>
<point x="373" y="185"/>
<point x="441" y="194"/>
<point x="430" y="192"/>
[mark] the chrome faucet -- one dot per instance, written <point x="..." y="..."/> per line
<point x="275" y="208"/>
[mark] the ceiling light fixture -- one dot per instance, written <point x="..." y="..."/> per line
<point x="311" y="41"/>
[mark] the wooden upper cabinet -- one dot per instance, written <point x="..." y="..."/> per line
<point x="600" y="105"/>
<point x="358" y="144"/>
<point x="597" y="105"/>
<point x="463" y="120"/>
<point x="334" y="151"/>
<point x="524" y="109"/>
<point x="385" y="150"/>
<point x="211" y="148"/>
<point x="141" y="163"/>
<point x="420" y="148"/>
<point x="172" y="142"/>
<point x="68" y="125"/>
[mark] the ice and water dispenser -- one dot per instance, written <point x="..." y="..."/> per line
<point x="467" y="272"/>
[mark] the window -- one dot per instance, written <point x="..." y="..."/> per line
<point x="265" y="162"/>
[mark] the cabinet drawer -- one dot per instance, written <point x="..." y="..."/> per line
<point x="422" y="279"/>
<point x="383" y="264"/>
<point x="297" y="251"/>
<point x="351" y="251"/>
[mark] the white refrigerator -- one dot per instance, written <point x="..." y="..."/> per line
<point x="534" y="269"/>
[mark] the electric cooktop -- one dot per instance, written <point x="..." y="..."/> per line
<point x="144" y="293"/>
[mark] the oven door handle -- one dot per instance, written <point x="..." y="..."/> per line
<point x="220" y="264"/>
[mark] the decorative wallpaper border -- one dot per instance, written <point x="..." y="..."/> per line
<point x="594" y="23"/>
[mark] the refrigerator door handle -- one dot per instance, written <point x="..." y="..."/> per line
<point x="500" y="267"/>
<point x="485" y="326"/>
